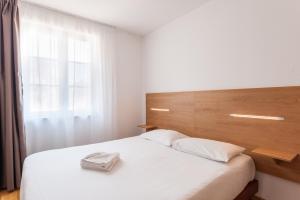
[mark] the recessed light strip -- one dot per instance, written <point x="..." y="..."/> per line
<point x="160" y="109"/>
<point x="258" y="117"/>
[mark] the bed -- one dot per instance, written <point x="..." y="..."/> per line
<point x="147" y="171"/>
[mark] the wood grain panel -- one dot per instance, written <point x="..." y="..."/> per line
<point x="276" y="155"/>
<point x="10" y="195"/>
<point x="206" y="114"/>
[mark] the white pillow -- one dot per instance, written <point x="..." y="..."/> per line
<point x="211" y="149"/>
<point x="163" y="136"/>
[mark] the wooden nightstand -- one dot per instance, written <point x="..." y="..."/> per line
<point x="147" y="127"/>
<point x="278" y="156"/>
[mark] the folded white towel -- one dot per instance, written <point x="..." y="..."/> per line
<point x="100" y="161"/>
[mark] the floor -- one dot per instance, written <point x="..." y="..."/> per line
<point x="9" y="196"/>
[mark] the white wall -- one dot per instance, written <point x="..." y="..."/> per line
<point x="229" y="44"/>
<point x="226" y="44"/>
<point x="274" y="188"/>
<point x="129" y="88"/>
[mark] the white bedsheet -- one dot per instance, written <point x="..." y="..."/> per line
<point x="147" y="171"/>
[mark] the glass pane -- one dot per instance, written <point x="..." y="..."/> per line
<point x="47" y="46"/>
<point x="48" y="72"/>
<point x="71" y="99"/>
<point x="79" y="50"/>
<point x="79" y="74"/>
<point x="34" y="98"/>
<point x="29" y="42"/>
<point x="43" y="71"/>
<point x="49" y="98"/>
<point x="79" y="99"/>
<point x="33" y="71"/>
<point x="44" y="98"/>
<point x="71" y="73"/>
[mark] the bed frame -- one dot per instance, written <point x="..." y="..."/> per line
<point x="250" y="190"/>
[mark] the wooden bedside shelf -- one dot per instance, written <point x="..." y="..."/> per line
<point x="275" y="154"/>
<point x="147" y="127"/>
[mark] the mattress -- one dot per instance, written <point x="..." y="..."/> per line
<point x="147" y="171"/>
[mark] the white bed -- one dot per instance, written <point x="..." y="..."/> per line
<point x="147" y="171"/>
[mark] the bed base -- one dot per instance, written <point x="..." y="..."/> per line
<point x="250" y="190"/>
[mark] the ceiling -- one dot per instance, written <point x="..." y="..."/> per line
<point x="137" y="16"/>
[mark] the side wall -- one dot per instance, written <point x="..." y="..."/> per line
<point x="128" y="83"/>
<point x="228" y="44"/>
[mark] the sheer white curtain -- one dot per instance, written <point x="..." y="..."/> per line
<point x="68" y="79"/>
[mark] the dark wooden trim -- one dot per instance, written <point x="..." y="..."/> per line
<point x="250" y="190"/>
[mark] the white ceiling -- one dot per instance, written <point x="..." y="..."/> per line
<point x="137" y="16"/>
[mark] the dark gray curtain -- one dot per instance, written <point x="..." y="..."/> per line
<point x="12" y="141"/>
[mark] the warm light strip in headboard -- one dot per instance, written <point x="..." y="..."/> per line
<point x="257" y="117"/>
<point x="160" y="109"/>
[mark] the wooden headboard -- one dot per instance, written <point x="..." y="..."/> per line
<point x="210" y="114"/>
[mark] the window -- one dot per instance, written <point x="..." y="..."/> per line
<point x="79" y="73"/>
<point x="68" y="79"/>
<point x="57" y="76"/>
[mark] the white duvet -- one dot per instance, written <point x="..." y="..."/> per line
<point x="147" y="171"/>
